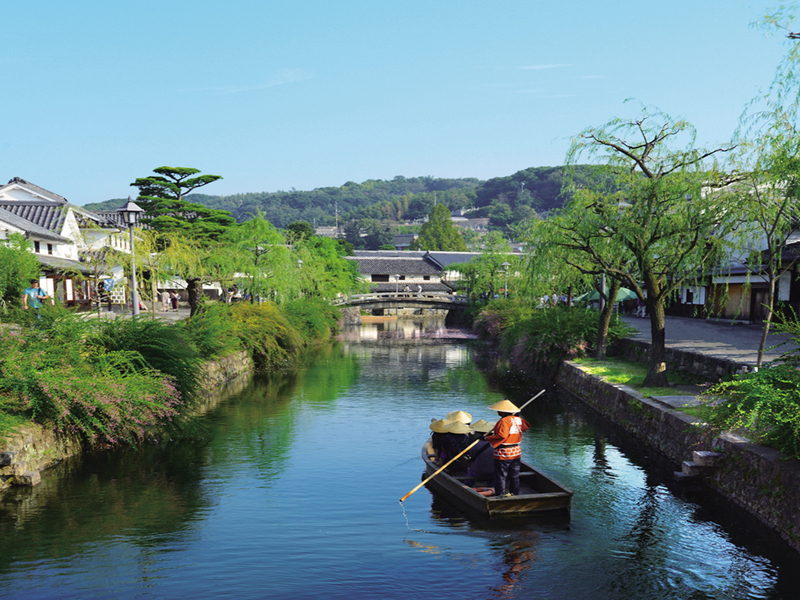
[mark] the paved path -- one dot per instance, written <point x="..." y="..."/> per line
<point x="714" y="338"/>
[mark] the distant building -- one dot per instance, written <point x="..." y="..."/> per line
<point x="64" y="237"/>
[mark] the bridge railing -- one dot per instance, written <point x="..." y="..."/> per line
<point x="437" y="297"/>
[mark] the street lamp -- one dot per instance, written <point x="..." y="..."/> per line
<point x="130" y="214"/>
<point x="300" y="266"/>
<point x="505" y="266"/>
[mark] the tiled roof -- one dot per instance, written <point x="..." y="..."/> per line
<point x="35" y="188"/>
<point x="63" y="264"/>
<point x="28" y="226"/>
<point x="443" y="259"/>
<point x="391" y="266"/>
<point x="44" y="214"/>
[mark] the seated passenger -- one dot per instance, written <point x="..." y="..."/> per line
<point x="461" y="416"/>
<point x="481" y="468"/>
<point x="437" y="438"/>
<point x="455" y="440"/>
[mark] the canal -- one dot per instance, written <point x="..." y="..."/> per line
<point x="293" y="490"/>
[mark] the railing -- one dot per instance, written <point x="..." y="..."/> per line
<point x="402" y="297"/>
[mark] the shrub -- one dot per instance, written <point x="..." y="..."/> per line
<point x="764" y="406"/>
<point x="162" y="346"/>
<point x="543" y="336"/>
<point x="314" y="319"/>
<point x="67" y="391"/>
<point x="213" y="331"/>
<point x="265" y="333"/>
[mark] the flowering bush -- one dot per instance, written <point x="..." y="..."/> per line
<point x="74" y="396"/>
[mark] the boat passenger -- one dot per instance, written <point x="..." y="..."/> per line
<point x="455" y="440"/>
<point x="507" y="454"/>
<point x="481" y="466"/>
<point x="437" y="438"/>
<point x="461" y="416"/>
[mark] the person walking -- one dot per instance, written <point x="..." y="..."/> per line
<point x="505" y="441"/>
<point x="165" y="302"/>
<point x="34" y="296"/>
<point x="174" y="299"/>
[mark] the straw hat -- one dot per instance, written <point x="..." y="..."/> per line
<point x="457" y="427"/>
<point x="482" y="426"/>
<point x="438" y="426"/>
<point x="460" y="415"/>
<point x="504" y="406"/>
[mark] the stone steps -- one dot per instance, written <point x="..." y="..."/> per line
<point x="703" y="464"/>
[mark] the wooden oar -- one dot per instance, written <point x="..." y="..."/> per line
<point x="460" y="454"/>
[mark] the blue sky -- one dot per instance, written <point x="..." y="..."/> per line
<point x="309" y="93"/>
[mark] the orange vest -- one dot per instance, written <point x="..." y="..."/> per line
<point x="507" y="436"/>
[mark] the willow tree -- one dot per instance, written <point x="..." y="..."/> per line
<point x="661" y="215"/>
<point x="571" y="250"/>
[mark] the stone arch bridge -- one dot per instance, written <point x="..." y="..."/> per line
<point x="431" y="300"/>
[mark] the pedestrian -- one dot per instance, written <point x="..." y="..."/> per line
<point x="34" y="296"/>
<point x="505" y="441"/>
<point x="165" y="303"/>
<point x="174" y="299"/>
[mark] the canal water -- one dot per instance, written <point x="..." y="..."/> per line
<point x="293" y="493"/>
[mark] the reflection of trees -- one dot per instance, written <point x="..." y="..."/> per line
<point x="147" y="494"/>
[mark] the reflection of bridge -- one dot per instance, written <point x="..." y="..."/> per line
<point x="433" y="300"/>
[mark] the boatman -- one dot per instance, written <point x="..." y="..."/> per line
<point x="505" y="441"/>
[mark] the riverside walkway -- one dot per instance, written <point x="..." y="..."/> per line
<point x="719" y="339"/>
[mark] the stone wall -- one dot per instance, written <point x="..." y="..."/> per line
<point x="700" y="365"/>
<point x="761" y="480"/>
<point x="32" y="449"/>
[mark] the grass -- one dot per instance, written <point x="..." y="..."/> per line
<point x="632" y="374"/>
<point x="9" y="419"/>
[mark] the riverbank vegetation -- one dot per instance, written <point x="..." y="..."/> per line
<point x="763" y="406"/>
<point x="535" y="338"/>
<point x="114" y="381"/>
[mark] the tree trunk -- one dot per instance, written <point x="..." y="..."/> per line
<point x="193" y="289"/>
<point x="605" y="320"/>
<point x="657" y="370"/>
<point x="767" y="321"/>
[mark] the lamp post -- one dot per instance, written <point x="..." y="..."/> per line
<point x="130" y="214"/>
<point x="396" y="292"/>
<point x="505" y="266"/>
<point x="299" y="267"/>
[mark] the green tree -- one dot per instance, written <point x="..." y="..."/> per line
<point x="299" y="230"/>
<point x="18" y="265"/>
<point x="662" y="217"/>
<point x="439" y="233"/>
<point x="162" y="198"/>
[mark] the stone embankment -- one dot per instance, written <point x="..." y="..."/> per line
<point x="759" y="479"/>
<point x="32" y="449"/>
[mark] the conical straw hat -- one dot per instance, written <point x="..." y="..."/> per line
<point x="457" y="427"/>
<point x="504" y="406"/>
<point x="460" y="415"/>
<point x="482" y="426"/>
<point x="438" y="426"/>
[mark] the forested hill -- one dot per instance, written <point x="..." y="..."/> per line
<point x="515" y="196"/>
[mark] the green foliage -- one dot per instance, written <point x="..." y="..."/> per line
<point x="17" y="267"/>
<point x="162" y="346"/>
<point x="266" y="333"/>
<point x="314" y="319"/>
<point x="439" y="233"/>
<point x="212" y="331"/>
<point x="166" y="210"/>
<point x="531" y="336"/>
<point x="764" y="406"/>
<point x="55" y="379"/>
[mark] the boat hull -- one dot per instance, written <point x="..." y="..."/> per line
<point x="538" y="493"/>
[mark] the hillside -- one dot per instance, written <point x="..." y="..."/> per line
<point x="504" y="199"/>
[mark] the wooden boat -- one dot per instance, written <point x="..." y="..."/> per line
<point x="538" y="493"/>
